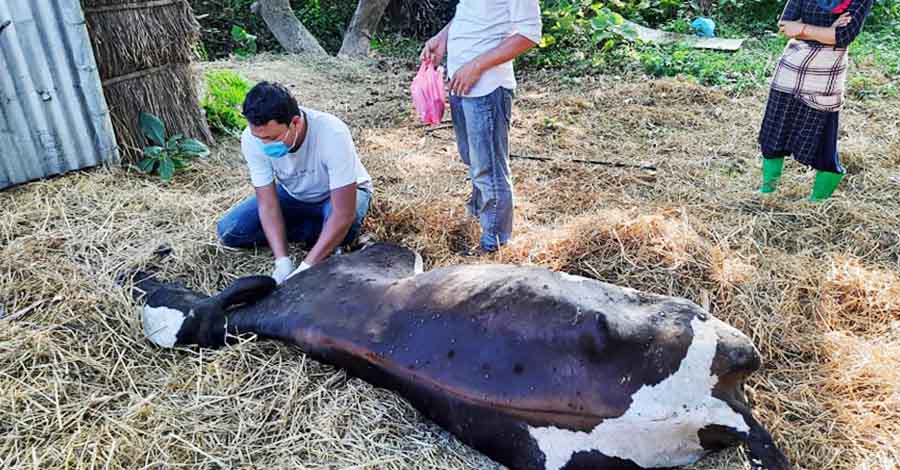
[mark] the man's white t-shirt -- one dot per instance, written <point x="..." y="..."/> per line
<point x="481" y="25"/>
<point x="326" y="160"/>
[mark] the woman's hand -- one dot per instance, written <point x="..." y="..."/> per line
<point x="791" y="29"/>
<point x="842" y="21"/>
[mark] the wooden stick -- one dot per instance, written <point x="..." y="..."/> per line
<point x="437" y="128"/>
<point x="590" y="162"/>
<point x="445" y="121"/>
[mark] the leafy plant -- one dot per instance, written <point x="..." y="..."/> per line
<point x="246" y="42"/>
<point x="740" y="71"/>
<point x="579" y="26"/>
<point x="170" y="154"/>
<point x="326" y="20"/>
<point x="886" y="14"/>
<point x="225" y="95"/>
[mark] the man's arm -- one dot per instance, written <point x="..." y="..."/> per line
<point x="525" y="23"/>
<point x="271" y="219"/>
<point x="436" y="47"/>
<point x="468" y="75"/>
<point x="343" y="214"/>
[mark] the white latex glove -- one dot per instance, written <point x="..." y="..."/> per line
<point x="303" y="267"/>
<point x="283" y="268"/>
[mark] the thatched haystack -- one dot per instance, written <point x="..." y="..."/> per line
<point x="144" y="50"/>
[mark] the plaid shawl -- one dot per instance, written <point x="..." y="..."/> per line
<point x="813" y="73"/>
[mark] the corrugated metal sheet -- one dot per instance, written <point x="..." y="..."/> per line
<point x="53" y="116"/>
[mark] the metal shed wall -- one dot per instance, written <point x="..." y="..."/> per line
<point x="53" y="116"/>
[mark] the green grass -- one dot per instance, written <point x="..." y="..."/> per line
<point x="737" y="72"/>
<point x="877" y="64"/>
<point x="225" y="95"/>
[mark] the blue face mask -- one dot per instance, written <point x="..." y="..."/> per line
<point x="276" y="149"/>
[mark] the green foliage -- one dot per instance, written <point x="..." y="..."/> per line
<point x="246" y="42"/>
<point x="395" y="45"/>
<point x="169" y="154"/>
<point x="326" y="20"/>
<point x="741" y="71"/>
<point x="885" y="14"/>
<point x="584" y="26"/>
<point x="751" y="15"/>
<point x="225" y="95"/>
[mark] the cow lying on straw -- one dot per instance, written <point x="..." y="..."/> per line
<point x="536" y="369"/>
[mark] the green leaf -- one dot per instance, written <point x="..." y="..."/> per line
<point x="153" y="128"/>
<point x="194" y="147"/>
<point x="547" y="41"/>
<point x="146" y="165"/>
<point x="166" y="169"/>
<point x="237" y="33"/>
<point x="153" y="151"/>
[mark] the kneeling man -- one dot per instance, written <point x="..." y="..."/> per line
<point x="311" y="186"/>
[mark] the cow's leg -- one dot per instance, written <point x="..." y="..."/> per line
<point x="175" y="316"/>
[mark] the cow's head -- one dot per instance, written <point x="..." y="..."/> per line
<point x="173" y="315"/>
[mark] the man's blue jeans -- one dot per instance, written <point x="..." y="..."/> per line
<point x="482" y="135"/>
<point x="303" y="221"/>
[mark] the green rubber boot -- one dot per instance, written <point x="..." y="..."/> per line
<point x="825" y="184"/>
<point x="772" y="169"/>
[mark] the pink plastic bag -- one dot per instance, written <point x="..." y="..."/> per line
<point x="428" y="93"/>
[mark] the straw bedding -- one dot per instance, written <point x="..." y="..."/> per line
<point x="815" y="286"/>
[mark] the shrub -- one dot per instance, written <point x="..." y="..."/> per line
<point x="170" y="154"/>
<point x="225" y="95"/>
<point x="326" y="20"/>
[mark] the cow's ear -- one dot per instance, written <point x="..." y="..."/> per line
<point x="245" y="290"/>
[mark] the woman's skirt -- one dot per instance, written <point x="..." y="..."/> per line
<point x="791" y="128"/>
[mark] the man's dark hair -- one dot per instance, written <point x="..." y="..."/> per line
<point x="268" y="101"/>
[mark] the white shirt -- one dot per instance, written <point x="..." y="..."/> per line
<point x="481" y="25"/>
<point x="326" y="160"/>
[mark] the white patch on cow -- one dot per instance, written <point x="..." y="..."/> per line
<point x="162" y="324"/>
<point x="419" y="266"/>
<point x="572" y="277"/>
<point x="660" y="427"/>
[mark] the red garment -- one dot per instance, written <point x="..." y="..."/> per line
<point x="842" y="7"/>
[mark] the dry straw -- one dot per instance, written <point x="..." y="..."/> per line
<point x="815" y="286"/>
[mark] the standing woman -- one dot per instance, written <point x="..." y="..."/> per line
<point x="807" y="91"/>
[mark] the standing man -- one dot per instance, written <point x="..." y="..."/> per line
<point x="481" y="42"/>
<point x="310" y="184"/>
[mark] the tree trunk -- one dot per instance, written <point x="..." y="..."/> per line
<point x="288" y="30"/>
<point x="362" y="28"/>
